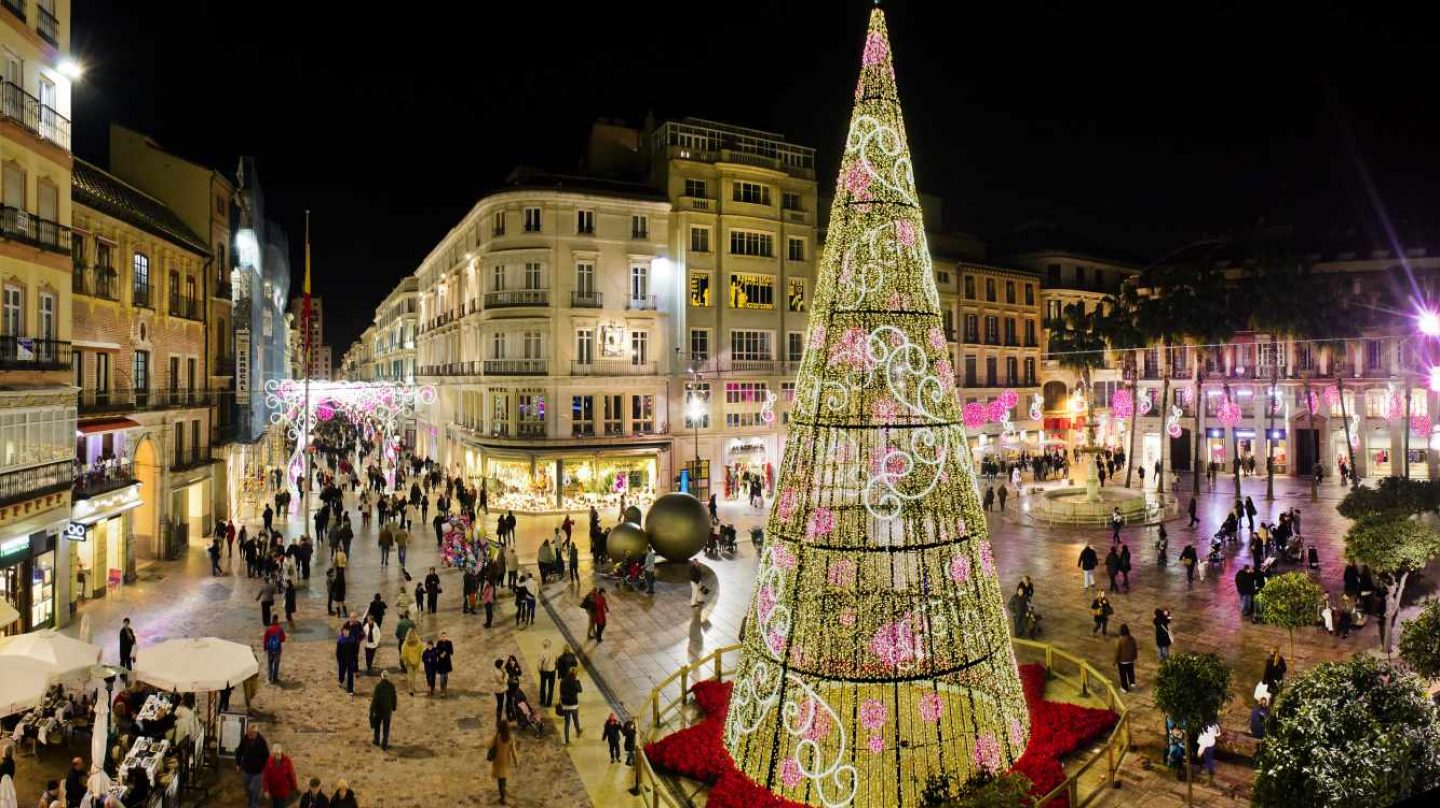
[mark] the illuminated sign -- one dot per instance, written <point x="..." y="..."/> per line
<point x="74" y="531"/>
<point x="18" y="546"/>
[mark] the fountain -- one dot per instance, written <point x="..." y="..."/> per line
<point x="1089" y="505"/>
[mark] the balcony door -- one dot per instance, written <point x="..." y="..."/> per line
<point x="102" y="377"/>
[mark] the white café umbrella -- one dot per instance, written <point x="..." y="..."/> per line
<point x="196" y="665"/>
<point x="23" y="683"/>
<point x="7" y="793"/>
<point x="65" y="656"/>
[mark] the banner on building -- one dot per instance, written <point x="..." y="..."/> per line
<point x="242" y="368"/>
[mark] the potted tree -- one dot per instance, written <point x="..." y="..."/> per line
<point x="1290" y="601"/>
<point x="1192" y="689"/>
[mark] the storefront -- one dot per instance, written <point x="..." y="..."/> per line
<point x="1245" y="447"/>
<point x="1277" y="448"/>
<point x="1379" y="455"/>
<point x="1215" y="451"/>
<point x="28" y="579"/>
<point x="602" y="479"/>
<point x="747" y="459"/>
<point x="99" y="539"/>
<point x="1150" y="451"/>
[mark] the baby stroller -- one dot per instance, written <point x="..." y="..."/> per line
<point x="727" y="539"/>
<point x="525" y="716"/>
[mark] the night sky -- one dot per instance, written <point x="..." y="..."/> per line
<point x="1137" y="126"/>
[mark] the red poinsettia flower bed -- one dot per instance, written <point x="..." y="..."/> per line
<point x="698" y="752"/>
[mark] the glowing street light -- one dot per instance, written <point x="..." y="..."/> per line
<point x="71" y="69"/>
<point x="1429" y="323"/>
<point x="1435" y="379"/>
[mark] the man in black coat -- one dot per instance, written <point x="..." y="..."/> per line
<point x="432" y="591"/>
<point x="250" y="758"/>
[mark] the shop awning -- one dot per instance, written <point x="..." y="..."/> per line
<point x="105" y="425"/>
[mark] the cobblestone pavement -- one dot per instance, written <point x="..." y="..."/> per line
<point x="437" y="756"/>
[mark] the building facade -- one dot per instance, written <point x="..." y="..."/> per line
<point x="320" y="367"/>
<point x="260" y="280"/>
<point x="143" y="462"/>
<point x="37" y="401"/>
<point x="391" y="338"/>
<point x="544" y="322"/>
<point x="200" y="196"/>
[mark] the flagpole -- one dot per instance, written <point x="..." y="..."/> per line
<point x="305" y="369"/>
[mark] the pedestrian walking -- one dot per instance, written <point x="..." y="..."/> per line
<point x="1087" y="563"/>
<point x="215" y="557"/>
<point x="377" y="609"/>
<point x="547" y="674"/>
<point x="1116" y="522"/>
<point x="697" y="592"/>
<point x="1245" y="588"/>
<point x="610" y="733"/>
<point x="383" y="703"/>
<point x="1002" y="495"/>
<point x="371" y="641"/>
<point x="1125" y="565"/>
<point x="290" y="602"/>
<point x="1112" y="567"/>
<point x="343" y="796"/>
<point x="278" y="778"/>
<point x="402" y="543"/>
<point x="444" y="661"/>
<point x="266" y="596"/>
<point x="502" y="756"/>
<point x="274" y="642"/>
<point x="1163" y="638"/>
<point x="412" y="653"/>
<point x="337" y="592"/>
<point x="1250" y="512"/>
<point x="127" y="645"/>
<point x="628" y="732"/>
<point x="575" y="566"/>
<point x="250" y="758"/>
<point x="1194" y="520"/>
<point x="1126" y="652"/>
<point x="499" y="688"/>
<point x="570" y="690"/>
<point x="1189" y="559"/>
<point x="487" y="599"/>
<point x="314" y="797"/>
<point x="1100" y="609"/>
<point x="386" y="540"/>
<point x="429" y="658"/>
<point x="432" y="591"/>
<point x="600" y="609"/>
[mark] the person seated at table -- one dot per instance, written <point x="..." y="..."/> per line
<point x="124" y="722"/>
<point x="138" y="781"/>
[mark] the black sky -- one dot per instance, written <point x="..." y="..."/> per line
<point x="1139" y="126"/>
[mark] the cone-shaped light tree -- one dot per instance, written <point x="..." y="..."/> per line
<point x="876" y="651"/>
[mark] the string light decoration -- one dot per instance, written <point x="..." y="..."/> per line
<point x="876" y="650"/>
<point x="377" y="408"/>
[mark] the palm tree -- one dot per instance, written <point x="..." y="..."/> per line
<point x="1076" y="344"/>
<point x="1192" y="297"/>
<point x="1121" y="330"/>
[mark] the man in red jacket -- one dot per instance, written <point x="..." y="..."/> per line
<point x="278" y="779"/>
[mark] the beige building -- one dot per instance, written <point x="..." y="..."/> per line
<point x="391" y="338"/>
<point x="37" y="401"/>
<point x="744" y="241"/>
<point x="143" y="454"/>
<point x="544" y="322"/>
<point x="358" y="364"/>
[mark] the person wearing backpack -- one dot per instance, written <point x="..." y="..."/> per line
<point x="274" y="644"/>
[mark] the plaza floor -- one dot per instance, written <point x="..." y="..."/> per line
<point x="437" y="755"/>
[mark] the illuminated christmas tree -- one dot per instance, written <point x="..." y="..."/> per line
<point x="876" y="650"/>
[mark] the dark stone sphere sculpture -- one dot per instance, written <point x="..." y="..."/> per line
<point x="632" y="514"/>
<point x="626" y="541"/>
<point x="679" y="525"/>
